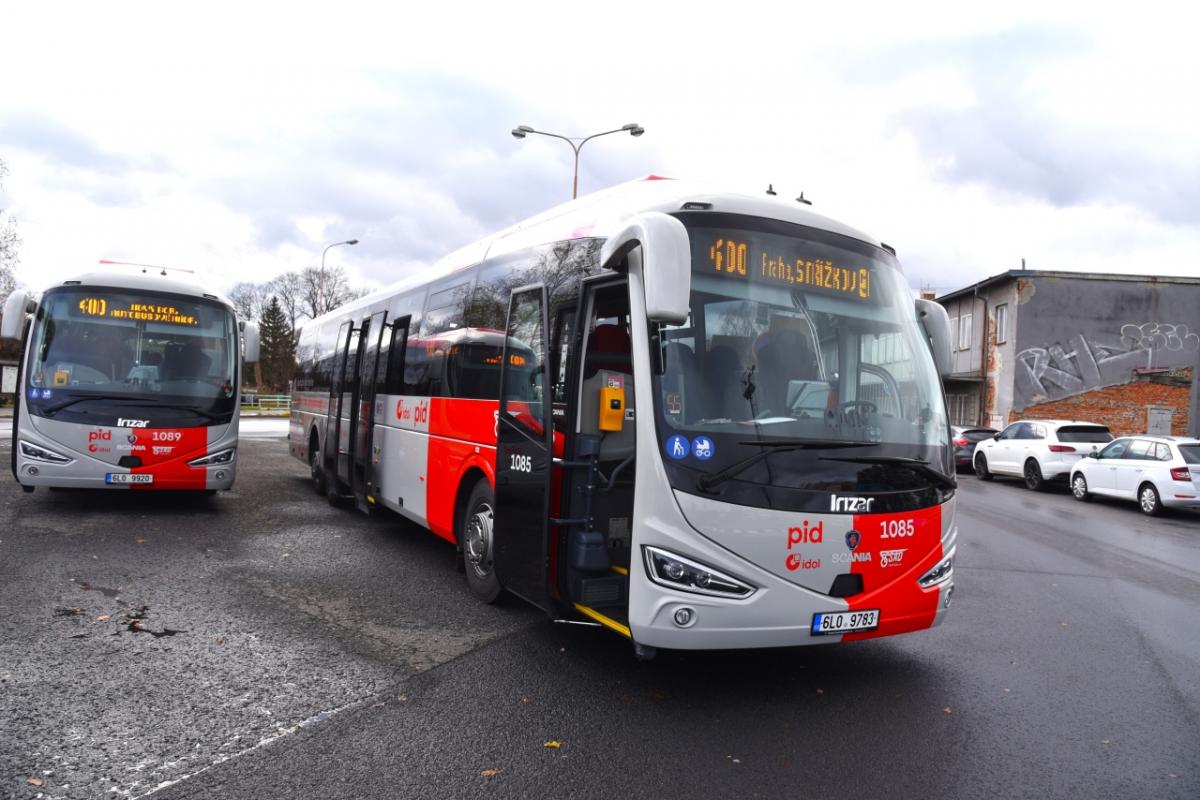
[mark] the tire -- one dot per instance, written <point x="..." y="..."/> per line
<point x="1079" y="487"/>
<point x="474" y="531"/>
<point x="1033" y="476"/>
<point x="981" y="468"/>
<point x="317" y="469"/>
<point x="1149" y="501"/>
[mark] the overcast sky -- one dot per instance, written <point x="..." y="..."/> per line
<point x="238" y="140"/>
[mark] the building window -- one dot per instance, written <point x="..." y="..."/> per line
<point x="1002" y="323"/>
<point x="964" y="332"/>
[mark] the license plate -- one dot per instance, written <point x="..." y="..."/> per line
<point x="126" y="477"/>
<point x="844" y="621"/>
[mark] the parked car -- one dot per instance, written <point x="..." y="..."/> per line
<point x="1156" y="471"/>
<point x="1038" y="450"/>
<point x="965" y="440"/>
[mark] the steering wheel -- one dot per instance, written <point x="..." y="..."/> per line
<point x="866" y="405"/>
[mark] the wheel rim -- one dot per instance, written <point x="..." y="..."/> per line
<point x="478" y="546"/>
<point x="1031" y="474"/>
<point x="980" y="466"/>
<point x="1149" y="501"/>
<point x="1080" y="487"/>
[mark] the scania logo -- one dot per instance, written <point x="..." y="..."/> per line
<point x="853" y="505"/>
<point x="132" y="423"/>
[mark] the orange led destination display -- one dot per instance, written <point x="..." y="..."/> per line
<point x="138" y="312"/>
<point x="738" y="258"/>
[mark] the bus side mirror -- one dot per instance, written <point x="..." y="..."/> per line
<point x="15" y="309"/>
<point x="660" y="244"/>
<point x="250" y="342"/>
<point x="936" y="323"/>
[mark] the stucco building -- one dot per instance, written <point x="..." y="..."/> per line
<point x="1119" y="349"/>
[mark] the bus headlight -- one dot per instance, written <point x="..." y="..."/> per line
<point x="223" y="457"/>
<point x="42" y="454"/>
<point x="939" y="574"/>
<point x="676" y="572"/>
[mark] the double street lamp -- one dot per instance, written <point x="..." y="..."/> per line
<point x="321" y="291"/>
<point x="577" y="143"/>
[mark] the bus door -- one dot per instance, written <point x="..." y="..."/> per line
<point x="337" y="429"/>
<point x="524" y="450"/>
<point x="364" y="407"/>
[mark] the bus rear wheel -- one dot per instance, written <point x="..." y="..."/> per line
<point x="475" y="537"/>
<point x="316" y="468"/>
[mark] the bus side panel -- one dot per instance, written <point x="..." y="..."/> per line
<point x="401" y="450"/>
<point x="463" y="435"/>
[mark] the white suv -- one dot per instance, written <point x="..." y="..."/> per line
<point x="1156" y="471"/>
<point x="1038" y="450"/>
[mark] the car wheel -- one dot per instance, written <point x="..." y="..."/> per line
<point x="316" y="469"/>
<point x="981" y="468"/>
<point x="475" y="536"/>
<point x="1079" y="487"/>
<point x="1148" y="500"/>
<point x="1033" y="476"/>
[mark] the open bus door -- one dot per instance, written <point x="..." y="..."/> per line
<point x="335" y="432"/>
<point x="524" y="451"/>
<point x="364" y="410"/>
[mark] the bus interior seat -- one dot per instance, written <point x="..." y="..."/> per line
<point x="724" y="375"/>
<point x="786" y="357"/>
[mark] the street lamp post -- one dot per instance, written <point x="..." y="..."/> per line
<point x="521" y="131"/>
<point x="321" y="289"/>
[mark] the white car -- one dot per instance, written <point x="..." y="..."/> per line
<point x="1038" y="450"/>
<point x="1156" y="471"/>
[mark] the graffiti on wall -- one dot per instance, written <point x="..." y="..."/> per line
<point x="1082" y="364"/>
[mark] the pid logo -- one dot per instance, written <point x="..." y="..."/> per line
<point x="98" y="435"/>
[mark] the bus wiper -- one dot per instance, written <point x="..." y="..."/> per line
<point x="773" y="446"/>
<point x="917" y="465"/>
<point x="50" y="411"/>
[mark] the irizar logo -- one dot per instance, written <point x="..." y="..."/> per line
<point x="852" y="505"/>
<point x="132" y="423"/>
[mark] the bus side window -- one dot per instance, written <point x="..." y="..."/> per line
<point x="564" y="331"/>
<point x="394" y="382"/>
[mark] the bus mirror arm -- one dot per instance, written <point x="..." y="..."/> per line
<point x="15" y="308"/>
<point x="660" y="244"/>
<point x="936" y="324"/>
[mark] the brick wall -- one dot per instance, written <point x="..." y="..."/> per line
<point x="1122" y="408"/>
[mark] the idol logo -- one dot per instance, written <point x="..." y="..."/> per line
<point x="132" y="423"/>
<point x="806" y="535"/>
<point x="852" y="505"/>
<point x="795" y="561"/>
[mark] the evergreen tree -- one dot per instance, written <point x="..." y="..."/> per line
<point x="277" y="347"/>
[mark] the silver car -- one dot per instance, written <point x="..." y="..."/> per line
<point x="1156" y="471"/>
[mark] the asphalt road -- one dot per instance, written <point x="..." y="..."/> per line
<point x="261" y="644"/>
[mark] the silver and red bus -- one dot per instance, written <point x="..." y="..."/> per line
<point x="700" y="419"/>
<point x="128" y="379"/>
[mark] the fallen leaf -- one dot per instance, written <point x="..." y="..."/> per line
<point x="1106" y="741"/>
<point x="489" y="773"/>
<point x="820" y="691"/>
<point x="948" y="710"/>
<point x="553" y="745"/>
<point x="525" y="700"/>
<point x="34" y="781"/>
<point x="139" y="540"/>
<point x="1062" y="622"/>
<point x="67" y="612"/>
<point x="104" y="618"/>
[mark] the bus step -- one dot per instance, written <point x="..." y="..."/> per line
<point x="599" y="592"/>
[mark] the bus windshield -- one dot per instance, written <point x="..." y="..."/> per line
<point x="805" y="343"/>
<point x="111" y="346"/>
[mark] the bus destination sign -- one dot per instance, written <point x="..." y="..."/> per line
<point x="138" y="312"/>
<point x="737" y="258"/>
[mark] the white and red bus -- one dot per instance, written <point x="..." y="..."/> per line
<point x="701" y="419"/>
<point x="128" y="380"/>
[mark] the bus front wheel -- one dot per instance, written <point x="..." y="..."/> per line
<point x="475" y="537"/>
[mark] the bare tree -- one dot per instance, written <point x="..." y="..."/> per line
<point x="9" y="244"/>
<point x="325" y="293"/>
<point x="250" y="299"/>
<point x="289" y="288"/>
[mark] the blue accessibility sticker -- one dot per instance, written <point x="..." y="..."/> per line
<point x="703" y="448"/>
<point x="678" y="447"/>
